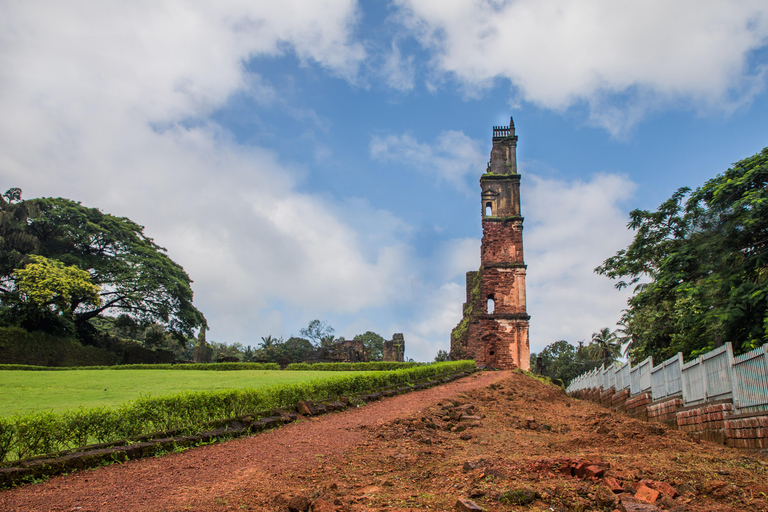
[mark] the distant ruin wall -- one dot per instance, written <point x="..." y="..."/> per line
<point x="394" y="349"/>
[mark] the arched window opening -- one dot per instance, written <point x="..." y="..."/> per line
<point x="490" y="306"/>
<point x="488" y="210"/>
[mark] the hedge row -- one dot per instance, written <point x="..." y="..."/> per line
<point x="185" y="366"/>
<point x="355" y="367"/>
<point x="29" y="435"/>
<point x="18" y="346"/>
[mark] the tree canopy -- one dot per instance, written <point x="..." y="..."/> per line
<point x="373" y="343"/>
<point x="319" y="333"/>
<point x="561" y="360"/>
<point x="700" y="263"/>
<point x="134" y="276"/>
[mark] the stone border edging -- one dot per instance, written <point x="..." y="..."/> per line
<point x="149" y="445"/>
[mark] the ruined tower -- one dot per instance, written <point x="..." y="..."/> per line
<point x="494" y="329"/>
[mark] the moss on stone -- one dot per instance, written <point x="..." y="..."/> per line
<point x="459" y="333"/>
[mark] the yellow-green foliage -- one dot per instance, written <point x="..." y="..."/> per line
<point x="45" y="282"/>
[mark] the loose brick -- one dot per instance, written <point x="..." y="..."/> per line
<point x="646" y="494"/>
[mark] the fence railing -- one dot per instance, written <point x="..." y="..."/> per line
<point x="716" y="375"/>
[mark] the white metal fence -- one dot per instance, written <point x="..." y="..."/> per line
<point x="716" y="375"/>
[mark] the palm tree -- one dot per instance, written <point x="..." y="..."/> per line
<point x="605" y="345"/>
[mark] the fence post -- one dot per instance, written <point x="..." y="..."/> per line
<point x="735" y="389"/>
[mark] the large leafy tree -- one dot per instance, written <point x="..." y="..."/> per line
<point x="700" y="263"/>
<point x="134" y="275"/>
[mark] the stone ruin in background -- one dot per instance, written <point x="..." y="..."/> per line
<point x="354" y="351"/>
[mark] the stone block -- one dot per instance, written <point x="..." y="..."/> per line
<point x="305" y="408"/>
<point x="465" y="505"/>
<point x="613" y="485"/>
<point x="631" y="506"/>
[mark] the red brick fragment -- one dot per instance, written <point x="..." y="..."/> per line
<point x="646" y="494"/>
<point x="613" y="485"/>
<point x="593" y="472"/>
<point x="663" y="488"/>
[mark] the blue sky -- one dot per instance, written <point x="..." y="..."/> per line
<point x="321" y="159"/>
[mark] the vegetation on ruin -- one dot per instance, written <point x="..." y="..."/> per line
<point x="700" y="266"/>
<point x="26" y="435"/>
<point x="459" y="333"/>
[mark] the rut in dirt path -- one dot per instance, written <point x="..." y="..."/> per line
<point x="185" y="480"/>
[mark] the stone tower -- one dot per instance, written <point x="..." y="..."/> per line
<point x="494" y="329"/>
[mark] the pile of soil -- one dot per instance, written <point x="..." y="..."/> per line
<point x="498" y="441"/>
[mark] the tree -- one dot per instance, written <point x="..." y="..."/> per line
<point x="319" y="333"/>
<point x="134" y="275"/>
<point x="559" y="361"/>
<point x="604" y="346"/>
<point x="46" y="290"/>
<point x="50" y="284"/>
<point x="15" y="242"/>
<point x="705" y="260"/>
<point x="154" y="336"/>
<point x="295" y="350"/>
<point x="441" y="356"/>
<point x="374" y="345"/>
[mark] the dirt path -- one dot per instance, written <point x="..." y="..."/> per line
<point x="493" y="437"/>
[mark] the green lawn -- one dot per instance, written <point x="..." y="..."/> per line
<point x="27" y="391"/>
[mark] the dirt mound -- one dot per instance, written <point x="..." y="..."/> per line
<point x="497" y="440"/>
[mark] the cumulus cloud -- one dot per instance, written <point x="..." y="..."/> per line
<point x="571" y="227"/>
<point x="452" y="157"/>
<point x="621" y="58"/>
<point x="106" y="103"/>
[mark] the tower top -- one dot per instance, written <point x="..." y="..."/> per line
<point x="504" y="132"/>
<point x="503" y="158"/>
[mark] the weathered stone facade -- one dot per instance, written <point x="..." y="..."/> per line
<point x="494" y="329"/>
<point x="354" y="351"/>
<point x="394" y="349"/>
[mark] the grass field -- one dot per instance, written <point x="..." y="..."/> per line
<point x="28" y="391"/>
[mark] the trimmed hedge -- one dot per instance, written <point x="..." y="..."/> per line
<point x="180" y="366"/>
<point x="17" y="346"/>
<point x="28" y="435"/>
<point x="377" y="366"/>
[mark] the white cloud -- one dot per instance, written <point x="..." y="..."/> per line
<point x="622" y="58"/>
<point x="439" y="312"/>
<point x="398" y="71"/>
<point x="452" y="157"/>
<point x="105" y="103"/>
<point x="571" y="227"/>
